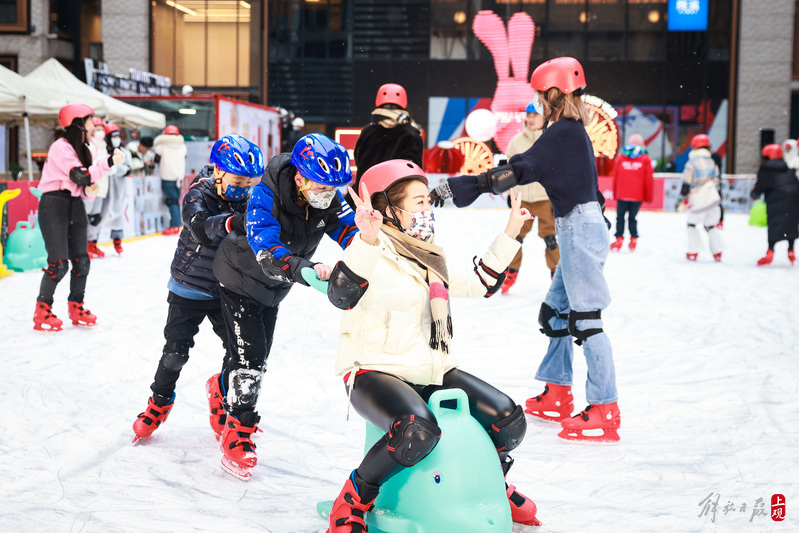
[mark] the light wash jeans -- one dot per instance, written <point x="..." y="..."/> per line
<point x="579" y="284"/>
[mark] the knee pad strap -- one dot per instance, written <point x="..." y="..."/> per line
<point x="579" y="334"/>
<point x="509" y="432"/>
<point x="544" y="315"/>
<point x="57" y="270"/>
<point x="411" y="439"/>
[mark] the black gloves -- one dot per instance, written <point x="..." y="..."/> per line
<point x="686" y="188"/>
<point x="95" y="219"/>
<point x="287" y="271"/>
<point x="80" y="176"/>
<point x="238" y="223"/>
<point x="440" y="194"/>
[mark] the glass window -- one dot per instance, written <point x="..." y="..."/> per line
<point x="206" y="42"/>
<point x="646" y="22"/>
<point x="451" y="28"/>
<point x="13" y="15"/>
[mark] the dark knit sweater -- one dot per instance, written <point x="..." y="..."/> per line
<point x="562" y="160"/>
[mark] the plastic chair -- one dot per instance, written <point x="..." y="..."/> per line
<point x="458" y="487"/>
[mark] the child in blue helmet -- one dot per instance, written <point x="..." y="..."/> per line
<point x="214" y="207"/>
<point x="290" y="210"/>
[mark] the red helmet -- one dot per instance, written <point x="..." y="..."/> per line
<point x="70" y="112"/>
<point x="391" y="93"/>
<point x="700" y="141"/>
<point x="97" y="121"/>
<point x="171" y="130"/>
<point x="110" y="128"/>
<point x="772" y="151"/>
<point x="383" y="175"/>
<point x="565" y="73"/>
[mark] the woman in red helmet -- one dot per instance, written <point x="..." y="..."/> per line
<point x="68" y="171"/>
<point x="700" y="189"/>
<point x="170" y="154"/>
<point x="562" y="160"/>
<point x="394" y="347"/>
<point x="779" y="184"/>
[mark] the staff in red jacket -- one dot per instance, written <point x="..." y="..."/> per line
<point x="632" y="185"/>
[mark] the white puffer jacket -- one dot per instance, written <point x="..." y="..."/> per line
<point x="172" y="150"/>
<point x="389" y="328"/>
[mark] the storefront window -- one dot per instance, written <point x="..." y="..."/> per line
<point x="308" y="29"/>
<point x="207" y="43"/>
<point x="13" y="15"/>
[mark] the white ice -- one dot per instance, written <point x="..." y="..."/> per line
<point x="706" y="362"/>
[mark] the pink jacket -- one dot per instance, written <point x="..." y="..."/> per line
<point x="61" y="158"/>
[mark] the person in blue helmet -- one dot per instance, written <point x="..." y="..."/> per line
<point x="214" y="207"/>
<point x="290" y="210"/>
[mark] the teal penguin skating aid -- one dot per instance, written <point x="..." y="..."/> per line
<point x="25" y="248"/>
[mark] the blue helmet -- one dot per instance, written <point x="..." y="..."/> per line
<point x="531" y="108"/>
<point x="322" y="160"/>
<point x="237" y="155"/>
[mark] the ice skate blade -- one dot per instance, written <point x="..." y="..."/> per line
<point x="609" y="437"/>
<point x="243" y="473"/>
<point x="38" y="327"/>
<point x="84" y="324"/>
<point x="541" y="415"/>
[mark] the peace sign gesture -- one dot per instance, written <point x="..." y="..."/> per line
<point x="367" y="219"/>
<point x="518" y="215"/>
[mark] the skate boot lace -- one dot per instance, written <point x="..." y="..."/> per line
<point x="584" y="414"/>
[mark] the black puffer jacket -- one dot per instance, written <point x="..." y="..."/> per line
<point x="288" y="231"/>
<point x="205" y="215"/>
<point x="779" y="184"/>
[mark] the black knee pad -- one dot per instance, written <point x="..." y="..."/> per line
<point x="691" y="225"/>
<point x="544" y="315"/>
<point x="551" y="242"/>
<point x="509" y="432"/>
<point x="411" y="439"/>
<point x="579" y="334"/>
<point x="174" y="361"/>
<point x="57" y="270"/>
<point x="80" y="265"/>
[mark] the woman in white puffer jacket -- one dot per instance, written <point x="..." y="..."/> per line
<point x="394" y="346"/>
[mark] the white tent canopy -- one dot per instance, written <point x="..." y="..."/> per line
<point x="51" y="74"/>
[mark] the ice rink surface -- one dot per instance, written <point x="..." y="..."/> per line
<point x="707" y="362"/>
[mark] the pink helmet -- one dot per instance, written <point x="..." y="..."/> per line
<point x="700" y="141"/>
<point x="383" y="175"/>
<point x="110" y="128"/>
<point x="70" y="112"/>
<point x="565" y="73"/>
<point x="636" y="139"/>
<point x="171" y="130"/>
<point x="391" y="93"/>
<point x="98" y="121"/>
<point x="772" y="151"/>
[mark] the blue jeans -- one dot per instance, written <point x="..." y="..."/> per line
<point x="580" y="285"/>
<point x="631" y="208"/>
<point x="172" y="197"/>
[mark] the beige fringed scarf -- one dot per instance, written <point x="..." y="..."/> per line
<point x="428" y="259"/>
<point x="388" y="118"/>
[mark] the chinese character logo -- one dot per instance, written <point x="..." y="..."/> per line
<point x="777" y="507"/>
<point x="687" y="7"/>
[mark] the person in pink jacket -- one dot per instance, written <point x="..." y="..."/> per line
<point x="632" y="185"/>
<point x="67" y="174"/>
<point x="395" y="343"/>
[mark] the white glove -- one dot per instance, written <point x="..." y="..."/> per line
<point x="118" y="157"/>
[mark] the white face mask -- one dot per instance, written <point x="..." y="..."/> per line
<point x="99" y="136"/>
<point x="116" y="142"/>
<point x="537" y="105"/>
<point x="320" y="200"/>
<point x="422" y="224"/>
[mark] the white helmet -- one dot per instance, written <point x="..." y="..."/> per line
<point x="298" y="123"/>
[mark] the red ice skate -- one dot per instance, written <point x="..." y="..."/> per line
<point x="118" y="246"/>
<point x="347" y="514"/>
<point x="171" y="231"/>
<point x="717" y="257"/>
<point x="554" y="404"/>
<point x="691" y="257"/>
<point x="44" y="319"/>
<point x="80" y="316"/>
<point x="766" y="259"/>
<point x="616" y="246"/>
<point x="152" y="417"/>
<point x="216" y="405"/>
<point x="522" y="508"/>
<point x="510" y="280"/>
<point x="596" y="423"/>
<point x="238" y="450"/>
<point x="633" y="243"/>
<point x="94" y="251"/>
<point x="791" y="257"/>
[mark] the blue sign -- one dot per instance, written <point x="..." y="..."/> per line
<point x="688" y="15"/>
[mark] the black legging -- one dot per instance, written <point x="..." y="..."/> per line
<point x="382" y="398"/>
<point x="62" y="219"/>
<point x="771" y="244"/>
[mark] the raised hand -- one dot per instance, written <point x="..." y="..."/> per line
<point x="368" y="220"/>
<point x="518" y="215"/>
<point x="323" y="271"/>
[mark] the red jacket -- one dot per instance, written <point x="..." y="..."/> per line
<point x="633" y="178"/>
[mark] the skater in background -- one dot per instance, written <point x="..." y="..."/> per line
<point x="68" y="171"/>
<point x="290" y="210"/>
<point x="790" y="153"/>
<point x="562" y="160"/>
<point x="633" y="183"/>
<point x="170" y="155"/>
<point x="142" y="157"/>
<point x="778" y="183"/>
<point x="392" y="134"/>
<point x="214" y="206"/>
<point x="395" y="343"/>
<point x="96" y="202"/>
<point x="700" y="191"/>
<point x="114" y="206"/>
<point x="534" y="199"/>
